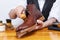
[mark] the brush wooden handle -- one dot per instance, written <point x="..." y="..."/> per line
<point x="23" y="16"/>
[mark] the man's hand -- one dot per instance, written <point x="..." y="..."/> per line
<point x="16" y="12"/>
<point x="12" y="14"/>
<point x="47" y="23"/>
<point x="40" y="25"/>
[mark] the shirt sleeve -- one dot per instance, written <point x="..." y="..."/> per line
<point x="55" y="11"/>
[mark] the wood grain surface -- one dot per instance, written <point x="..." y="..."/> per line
<point x="43" y="34"/>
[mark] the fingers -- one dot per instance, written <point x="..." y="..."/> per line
<point x="12" y="14"/>
<point x="17" y="12"/>
<point x="20" y="10"/>
<point x="20" y="28"/>
<point x="19" y="34"/>
<point x="39" y="25"/>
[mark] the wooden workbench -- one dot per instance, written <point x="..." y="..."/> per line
<point x="43" y="34"/>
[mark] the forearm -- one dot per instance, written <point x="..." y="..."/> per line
<point x="49" y="22"/>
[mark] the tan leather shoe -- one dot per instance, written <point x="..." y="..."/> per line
<point x="34" y="14"/>
<point x="31" y="20"/>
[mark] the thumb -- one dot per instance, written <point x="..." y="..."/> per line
<point x="39" y="21"/>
